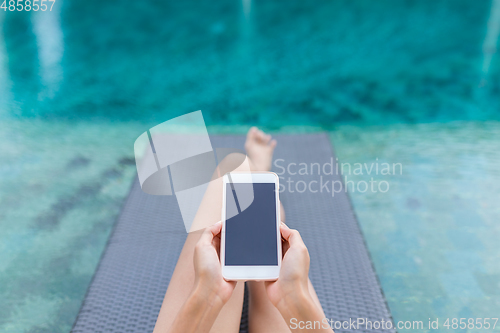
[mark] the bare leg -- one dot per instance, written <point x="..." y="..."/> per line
<point x="180" y="287"/>
<point x="263" y="315"/>
<point x="182" y="281"/>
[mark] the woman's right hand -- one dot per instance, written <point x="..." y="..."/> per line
<point x="290" y="293"/>
<point x="293" y="280"/>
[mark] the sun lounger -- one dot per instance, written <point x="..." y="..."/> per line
<point x="127" y="290"/>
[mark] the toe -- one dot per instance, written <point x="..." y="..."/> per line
<point x="261" y="136"/>
<point x="273" y="143"/>
<point x="251" y="132"/>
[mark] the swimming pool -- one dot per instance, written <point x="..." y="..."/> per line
<point x="411" y="82"/>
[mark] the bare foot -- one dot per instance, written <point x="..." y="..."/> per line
<point x="260" y="148"/>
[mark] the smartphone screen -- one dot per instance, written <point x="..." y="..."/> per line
<point x="251" y="234"/>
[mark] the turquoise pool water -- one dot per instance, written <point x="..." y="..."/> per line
<point x="273" y="63"/>
<point x="411" y="82"/>
<point x="434" y="236"/>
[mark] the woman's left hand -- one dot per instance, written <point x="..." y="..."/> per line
<point x="208" y="274"/>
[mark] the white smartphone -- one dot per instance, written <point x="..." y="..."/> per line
<point x="251" y="237"/>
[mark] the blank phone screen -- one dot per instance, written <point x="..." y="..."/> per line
<point x="251" y="233"/>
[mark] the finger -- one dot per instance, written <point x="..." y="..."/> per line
<point x="261" y="135"/>
<point x="210" y="232"/>
<point x="216" y="245"/>
<point x="282" y="224"/>
<point x="216" y="228"/>
<point x="284" y="247"/>
<point x="290" y="235"/>
<point x="273" y="143"/>
<point x="251" y="132"/>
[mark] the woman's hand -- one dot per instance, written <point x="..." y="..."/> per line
<point x="290" y="293"/>
<point x="294" y="273"/>
<point x="208" y="274"/>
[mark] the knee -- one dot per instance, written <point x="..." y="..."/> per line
<point x="234" y="161"/>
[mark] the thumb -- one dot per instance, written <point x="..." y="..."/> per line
<point x="210" y="232"/>
<point x="290" y="235"/>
